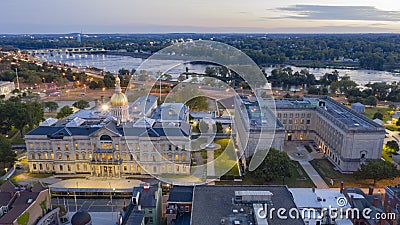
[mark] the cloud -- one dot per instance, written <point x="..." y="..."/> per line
<point x="325" y="12"/>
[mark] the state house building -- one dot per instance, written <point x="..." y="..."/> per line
<point x="111" y="143"/>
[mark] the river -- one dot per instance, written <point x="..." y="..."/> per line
<point x="113" y="63"/>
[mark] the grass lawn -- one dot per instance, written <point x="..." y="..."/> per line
<point x="326" y="170"/>
<point x="225" y="158"/>
<point x="370" y="111"/>
<point x="299" y="179"/>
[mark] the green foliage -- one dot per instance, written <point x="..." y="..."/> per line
<point x="220" y="129"/>
<point x="43" y="206"/>
<point x="81" y="104"/>
<point x="7" y="155"/>
<point x="64" y="112"/>
<point x="20" y="115"/>
<point x="50" y="106"/>
<point x="203" y="126"/>
<point x="276" y="165"/>
<point x="23" y="219"/>
<point x="393" y="145"/>
<point x="198" y="103"/>
<point x="377" y="170"/>
<point x="378" y="115"/>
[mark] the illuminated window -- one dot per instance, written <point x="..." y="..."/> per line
<point x="125" y="168"/>
<point x="163" y="156"/>
<point x="105" y="145"/>
<point x="76" y="146"/>
<point x="183" y="157"/>
<point x="52" y="156"/>
<point x="58" y="147"/>
<point x="59" y="157"/>
<point x="66" y="147"/>
<point x="116" y="147"/>
<point x="39" y="156"/>
<point x="69" y="168"/>
<point x="76" y="156"/>
<point x="176" y="157"/>
<point x="138" y="168"/>
<point x="84" y="167"/>
<point x="32" y="156"/>
<point x="46" y="156"/>
<point x="90" y="155"/>
<point x="67" y="157"/>
<point x="78" y="167"/>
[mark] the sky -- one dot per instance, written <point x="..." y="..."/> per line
<point x="202" y="16"/>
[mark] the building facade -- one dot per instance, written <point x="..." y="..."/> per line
<point x="346" y="137"/>
<point x="111" y="144"/>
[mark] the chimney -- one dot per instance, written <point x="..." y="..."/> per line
<point x="376" y="201"/>
<point x="341" y="187"/>
<point x="370" y="190"/>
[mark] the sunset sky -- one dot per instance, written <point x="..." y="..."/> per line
<point x="166" y="16"/>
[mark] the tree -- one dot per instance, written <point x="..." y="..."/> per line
<point x="378" y="115"/>
<point x="64" y="112"/>
<point x="198" y="103"/>
<point x="50" y="106"/>
<point x="276" y="165"/>
<point x="81" y="104"/>
<point x="220" y="129"/>
<point x="393" y="145"/>
<point x="7" y="155"/>
<point x="203" y="126"/>
<point x="371" y="100"/>
<point x="377" y="170"/>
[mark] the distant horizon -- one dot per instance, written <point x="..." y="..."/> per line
<point x="194" y="16"/>
<point x="184" y="33"/>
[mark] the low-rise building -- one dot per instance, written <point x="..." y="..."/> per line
<point x="361" y="201"/>
<point x="179" y="205"/>
<point x="392" y="203"/>
<point x="241" y="205"/>
<point x="25" y="205"/>
<point x="358" y="107"/>
<point x="147" y="199"/>
<point x="313" y="203"/>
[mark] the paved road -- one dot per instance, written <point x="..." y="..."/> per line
<point x="313" y="174"/>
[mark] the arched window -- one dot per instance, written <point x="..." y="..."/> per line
<point x="106" y="141"/>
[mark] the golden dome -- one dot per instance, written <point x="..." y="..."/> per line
<point x="119" y="99"/>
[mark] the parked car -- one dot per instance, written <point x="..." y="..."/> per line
<point x="18" y="166"/>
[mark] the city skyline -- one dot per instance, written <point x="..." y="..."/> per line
<point x="45" y="16"/>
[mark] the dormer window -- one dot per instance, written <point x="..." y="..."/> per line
<point x="106" y="142"/>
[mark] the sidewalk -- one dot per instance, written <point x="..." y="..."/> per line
<point x="313" y="174"/>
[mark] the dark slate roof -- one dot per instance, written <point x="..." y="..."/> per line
<point x="181" y="194"/>
<point x="18" y="207"/>
<point x="81" y="218"/>
<point x="44" y="130"/>
<point x="212" y="203"/>
<point x="135" y="218"/>
<point x="147" y="197"/>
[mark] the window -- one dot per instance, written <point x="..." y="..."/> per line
<point x="76" y="156"/>
<point x="176" y="157"/>
<point x="67" y="157"/>
<point x="76" y="146"/>
<point x="116" y="147"/>
<point x="83" y="156"/>
<point x="30" y="146"/>
<point x="125" y="168"/>
<point x="308" y="121"/>
<point x="32" y="155"/>
<point x="69" y="168"/>
<point x="61" y="168"/>
<point x="90" y="155"/>
<point x="78" y="167"/>
<point x="183" y="157"/>
<point x="84" y="167"/>
<point x="177" y="168"/>
<point x="46" y="156"/>
<point x="34" y="166"/>
<point x="66" y="147"/>
<point x="59" y="157"/>
<point x="52" y="156"/>
<point x="154" y="169"/>
<point x="296" y="121"/>
<point x="58" y="147"/>
<point x="39" y="156"/>
<point x="154" y="158"/>
<point x="170" y="147"/>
